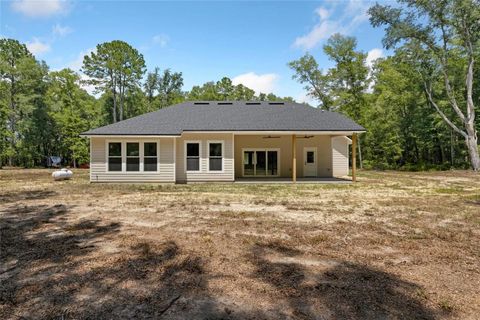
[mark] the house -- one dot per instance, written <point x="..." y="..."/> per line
<point x="224" y="141"/>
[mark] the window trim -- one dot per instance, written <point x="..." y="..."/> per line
<point x="142" y="152"/>
<point x="140" y="158"/>
<point x="124" y="156"/>
<point x="222" y="142"/>
<point x="199" y="156"/>
<point x="107" y="158"/>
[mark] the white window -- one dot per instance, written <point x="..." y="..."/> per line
<point x="192" y="156"/>
<point x="215" y="156"/>
<point x="114" y="156"/>
<point x="133" y="156"/>
<point x="150" y="156"/>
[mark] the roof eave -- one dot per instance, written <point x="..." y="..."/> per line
<point x="245" y="132"/>
<point x="117" y="135"/>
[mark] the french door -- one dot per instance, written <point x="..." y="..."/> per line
<point x="260" y="162"/>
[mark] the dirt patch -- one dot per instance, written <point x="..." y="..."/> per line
<point x="393" y="246"/>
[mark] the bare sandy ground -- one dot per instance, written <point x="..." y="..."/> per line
<point x="395" y="245"/>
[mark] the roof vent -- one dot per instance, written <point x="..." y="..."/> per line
<point x="224" y="103"/>
<point x="276" y="103"/>
<point x="201" y="103"/>
<point x="253" y="103"/>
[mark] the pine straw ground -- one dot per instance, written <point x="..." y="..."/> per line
<point x="393" y="246"/>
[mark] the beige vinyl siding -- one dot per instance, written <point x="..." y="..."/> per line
<point x="255" y="142"/>
<point x="332" y="157"/>
<point x="284" y="143"/>
<point x="324" y="154"/>
<point x="227" y="174"/>
<point x="340" y="156"/>
<point x="98" y="162"/>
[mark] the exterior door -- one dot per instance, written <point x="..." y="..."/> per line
<point x="310" y="162"/>
<point x="260" y="162"/>
<point x="249" y="163"/>
<point x="272" y="163"/>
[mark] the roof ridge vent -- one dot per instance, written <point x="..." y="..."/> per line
<point x="253" y="103"/>
<point x="201" y="103"/>
<point x="276" y="103"/>
<point x="224" y="103"/>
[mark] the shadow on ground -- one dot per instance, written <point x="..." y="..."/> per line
<point x="14" y="196"/>
<point x="50" y="269"/>
<point x="337" y="290"/>
<point x="55" y="267"/>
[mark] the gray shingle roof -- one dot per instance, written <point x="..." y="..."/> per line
<point x="230" y="116"/>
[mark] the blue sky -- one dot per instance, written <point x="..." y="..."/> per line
<point x="250" y="42"/>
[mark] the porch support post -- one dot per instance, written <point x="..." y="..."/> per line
<point x="294" y="158"/>
<point x="354" y="157"/>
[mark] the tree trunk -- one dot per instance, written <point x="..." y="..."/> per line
<point x="121" y="103"/>
<point x="12" y="118"/>
<point x="472" y="144"/>
<point x="442" y="151"/>
<point x="470" y="133"/>
<point x="360" y="162"/>
<point x="114" y="113"/>
<point x="452" y="154"/>
<point x="121" y="92"/>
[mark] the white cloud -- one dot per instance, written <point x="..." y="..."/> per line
<point x="261" y="83"/>
<point x="353" y="14"/>
<point x="161" y="39"/>
<point x="40" y="8"/>
<point x="323" y="13"/>
<point x="357" y="10"/>
<point x="373" y="55"/>
<point x="319" y="32"/>
<point x="59" y="30"/>
<point x="76" y="64"/>
<point x="37" y="47"/>
<point x="304" y="97"/>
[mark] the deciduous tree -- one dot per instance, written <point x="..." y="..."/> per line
<point x="19" y="74"/>
<point x="73" y="111"/>
<point x="438" y="31"/>
<point x="315" y="81"/>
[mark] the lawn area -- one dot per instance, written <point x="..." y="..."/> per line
<point x="395" y="245"/>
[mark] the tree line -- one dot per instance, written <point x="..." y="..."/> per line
<point x="43" y="112"/>
<point x="418" y="104"/>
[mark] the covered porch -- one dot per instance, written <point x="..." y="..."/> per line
<point x="296" y="157"/>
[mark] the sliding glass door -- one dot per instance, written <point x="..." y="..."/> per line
<point x="249" y="163"/>
<point x="260" y="162"/>
<point x="272" y="163"/>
